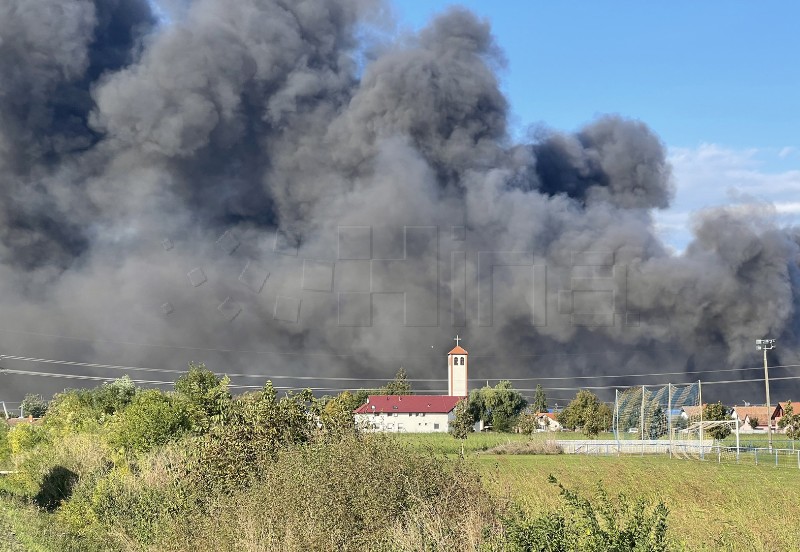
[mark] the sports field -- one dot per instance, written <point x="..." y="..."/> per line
<point x="712" y="506"/>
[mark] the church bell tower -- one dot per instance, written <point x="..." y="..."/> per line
<point x="457" y="381"/>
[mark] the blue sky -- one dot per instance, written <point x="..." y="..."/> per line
<point x="719" y="82"/>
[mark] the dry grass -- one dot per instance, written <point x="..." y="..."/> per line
<point x="527" y="447"/>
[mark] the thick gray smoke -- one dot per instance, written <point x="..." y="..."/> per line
<point x="256" y="185"/>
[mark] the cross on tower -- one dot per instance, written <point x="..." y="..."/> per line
<point x="457" y="339"/>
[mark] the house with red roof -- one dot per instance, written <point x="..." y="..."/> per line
<point x="418" y="413"/>
<point x="407" y="413"/>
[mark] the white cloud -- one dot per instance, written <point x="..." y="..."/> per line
<point x="712" y="175"/>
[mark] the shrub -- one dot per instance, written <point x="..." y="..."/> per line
<point x="48" y="471"/>
<point x="5" y="445"/>
<point x="34" y="405"/>
<point x="356" y="493"/>
<point x="126" y="508"/>
<point x="152" y="419"/>
<point x="254" y="428"/>
<point x="206" y="396"/>
<point x="24" y="437"/>
<point x="622" y="525"/>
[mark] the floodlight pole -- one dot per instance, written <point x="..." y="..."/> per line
<point x="669" y="416"/>
<point x="767" y="345"/>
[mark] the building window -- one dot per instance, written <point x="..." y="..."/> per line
<point x="435" y="426"/>
<point x="462" y="361"/>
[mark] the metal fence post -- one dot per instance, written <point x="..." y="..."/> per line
<point x="755" y="451"/>
<point x="776" y="458"/>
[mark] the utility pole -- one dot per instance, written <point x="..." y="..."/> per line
<point x="767" y="345"/>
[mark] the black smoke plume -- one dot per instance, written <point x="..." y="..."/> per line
<point x="270" y="187"/>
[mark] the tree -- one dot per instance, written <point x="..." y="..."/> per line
<point x="34" y="405"/>
<point x="587" y="413"/>
<point x="114" y="396"/>
<point x="539" y="400"/>
<point x="527" y="423"/>
<point x="462" y="424"/>
<point x="790" y="421"/>
<point x="152" y="419"/>
<point x="398" y="386"/>
<point x="658" y="423"/>
<point x="498" y="405"/>
<point x="336" y="413"/>
<point x="205" y="396"/>
<point x="717" y="412"/>
<point x="754" y="422"/>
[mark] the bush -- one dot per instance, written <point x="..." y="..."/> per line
<point x="206" y="396"/>
<point x="48" y="471"/>
<point x="5" y="445"/>
<point x="34" y="405"/>
<point x="25" y="437"/>
<point x="256" y="426"/>
<point x="623" y="525"/>
<point x="125" y="508"/>
<point x="356" y="493"/>
<point x="152" y="419"/>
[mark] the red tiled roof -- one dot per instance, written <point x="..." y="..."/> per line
<point x="437" y="404"/>
<point x="795" y="407"/>
<point x="17" y="421"/>
<point x="759" y="412"/>
<point x="457" y="350"/>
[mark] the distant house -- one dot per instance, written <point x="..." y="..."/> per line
<point x="751" y="418"/>
<point x="548" y="421"/>
<point x="406" y="413"/>
<point x="692" y="413"/>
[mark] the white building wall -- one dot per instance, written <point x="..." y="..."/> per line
<point x="398" y="422"/>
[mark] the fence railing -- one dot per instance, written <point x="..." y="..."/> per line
<point x="706" y="450"/>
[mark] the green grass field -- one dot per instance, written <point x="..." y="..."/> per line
<point x="712" y="506"/>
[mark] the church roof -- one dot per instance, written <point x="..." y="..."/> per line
<point x="457" y="350"/>
<point x="435" y="404"/>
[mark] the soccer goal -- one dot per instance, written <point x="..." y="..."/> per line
<point x="656" y="413"/>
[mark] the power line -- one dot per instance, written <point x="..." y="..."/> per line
<point x="169" y="371"/>
<point x="346" y="378"/>
<point x="310" y="353"/>
<point x="154" y="382"/>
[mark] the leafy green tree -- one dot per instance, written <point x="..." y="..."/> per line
<point x="398" y="386"/>
<point x="256" y="426"/>
<point x="206" y="396"/>
<point x="717" y="412"/>
<point x="790" y="421"/>
<point x="587" y="413"/>
<point x="462" y="424"/>
<point x="754" y="422"/>
<point x="114" y="396"/>
<point x="34" y="405"/>
<point x="152" y="419"/>
<point x="527" y="422"/>
<point x="658" y="423"/>
<point x="336" y="413"/>
<point x="539" y="400"/>
<point x="498" y="405"/>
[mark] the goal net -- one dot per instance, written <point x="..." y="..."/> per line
<point x="656" y="413"/>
